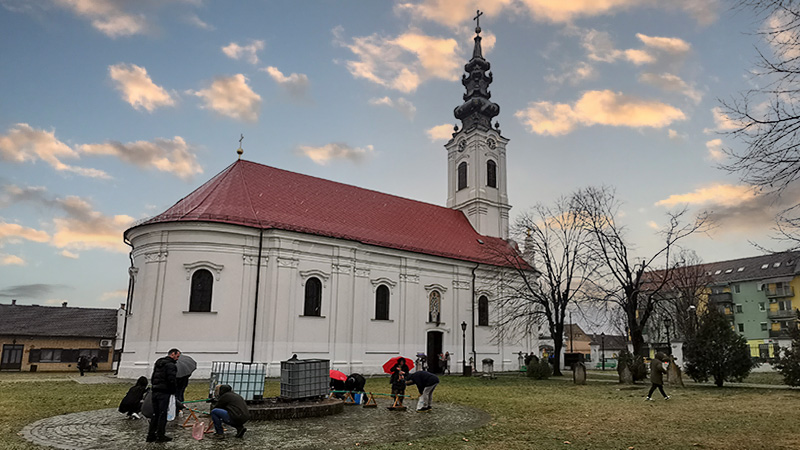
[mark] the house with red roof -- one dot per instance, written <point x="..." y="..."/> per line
<point x="259" y="264"/>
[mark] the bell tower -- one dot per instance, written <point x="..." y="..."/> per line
<point x="476" y="155"/>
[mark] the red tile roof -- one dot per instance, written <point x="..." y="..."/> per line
<point x="259" y="196"/>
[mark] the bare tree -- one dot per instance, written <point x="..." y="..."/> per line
<point x="555" y="269"/>
<point x="622" y="279"/>
<point x="767" y="118"/>
<point x="685" y="293"/>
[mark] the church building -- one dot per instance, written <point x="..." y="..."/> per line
<point x="259" y="264"/>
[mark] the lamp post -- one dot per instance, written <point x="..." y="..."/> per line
<point x="603" y="350"/>
<point x="667" y="322"/>
<point x="570" y="333"/>
<point x="464" y="348"/>
<point x="692" y="312"/>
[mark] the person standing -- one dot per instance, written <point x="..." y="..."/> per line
<point x="657" y="372"/>
<point x="446" y="368"/>
<point x="426" y="382"/>
<point x="398" y="382"/>
<point x="164" y="381"/>
<point x="229" y="407"/>
<point x="82" y="363"/>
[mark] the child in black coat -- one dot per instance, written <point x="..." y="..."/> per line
<point x="398" y="382"/>
<point x="132" y="402"/>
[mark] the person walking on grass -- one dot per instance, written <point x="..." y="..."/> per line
<point x="164" y="381"/>
<point x="657" y="372"/>
<point x="426" y="382"/>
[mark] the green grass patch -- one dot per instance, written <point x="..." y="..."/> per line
<point x="525" y="413"/>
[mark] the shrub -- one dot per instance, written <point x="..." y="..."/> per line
<point x="539" y="370"/>
<point x="788" y="363"/>
<point x="717" y="352"/>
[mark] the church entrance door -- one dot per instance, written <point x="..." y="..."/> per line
<point x="433" y="351"/>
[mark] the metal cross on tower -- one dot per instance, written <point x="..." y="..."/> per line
<point x="477" y="20"/>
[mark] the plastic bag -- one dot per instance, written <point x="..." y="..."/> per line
<point x="171" y="410"/>
<point x="198" y="430"/>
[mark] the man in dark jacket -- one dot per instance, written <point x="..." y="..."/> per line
<point x="229" y="407"/>
<point x="355" y="383"/>
<point x="426" y="382"/>
<point x="657" y="372"/>
<point x="164" y="385"/>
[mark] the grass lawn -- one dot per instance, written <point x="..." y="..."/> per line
<point x="525" y="413"/>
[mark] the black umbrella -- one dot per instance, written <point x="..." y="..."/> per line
<point x="186" y="365"/>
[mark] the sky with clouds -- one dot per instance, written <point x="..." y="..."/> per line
<point x="111" y="111"/>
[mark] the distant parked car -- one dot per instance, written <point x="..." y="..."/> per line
<point x="611" y="363"/>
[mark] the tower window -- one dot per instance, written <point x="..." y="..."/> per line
<point x="462" y="176"/>
<point x="382" y="303"/>
<point x="200" y="297"/>
<point x="483" y="311"/>
<point x="313" y="299"/>
<point x="491" y="174"/>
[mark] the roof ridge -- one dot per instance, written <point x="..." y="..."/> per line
<point x="246" y="189"/>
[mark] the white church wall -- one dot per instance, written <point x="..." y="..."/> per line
<point x="347" y="333"/>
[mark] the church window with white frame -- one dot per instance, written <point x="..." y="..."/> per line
<point x="201" y="290"/>
<point x="382" y="303"/>
<point x="483" y="311"/>
<point x="462" y="175"/>
<point x="434" y="307"/>
<point x="491" y="174"/>
<point x="312" y="305"/>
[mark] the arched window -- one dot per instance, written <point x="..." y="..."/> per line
<point x="491" y="174"/>
<point x="200" y="297"/>
<point x="483" y="311"/>
<point x="434" y="307"/>
<point x="313" y="298"/>
<point x="382" y="303"/>
<point x="462" y="175"/>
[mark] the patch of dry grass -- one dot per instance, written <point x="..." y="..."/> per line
<point x="525" y="413"/>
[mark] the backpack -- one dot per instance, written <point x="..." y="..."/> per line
<point x="147" y="404"/>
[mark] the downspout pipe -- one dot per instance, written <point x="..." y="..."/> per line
<point x="128" y="303"/>
<point x="474" y="355"/>
<point x="255" y="303"/>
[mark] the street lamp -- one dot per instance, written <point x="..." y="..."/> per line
<point x="464" y="348"/>
<point x="667" y="322"/>
<point x="603" y="350"/>
<point x="570" y="333"/>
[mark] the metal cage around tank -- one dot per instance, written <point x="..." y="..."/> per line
<point x="305" y="378"/>
<point x="246" y="379"/>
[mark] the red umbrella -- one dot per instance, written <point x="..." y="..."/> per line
<point x="390" y="364"/>
<point x="336" y="375"/>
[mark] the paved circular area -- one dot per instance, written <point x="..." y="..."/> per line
<point x="106" y="428"/>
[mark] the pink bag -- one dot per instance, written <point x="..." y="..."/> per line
<point x="198" y="430"/>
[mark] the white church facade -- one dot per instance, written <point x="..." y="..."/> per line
<point x="259" y="264"/>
